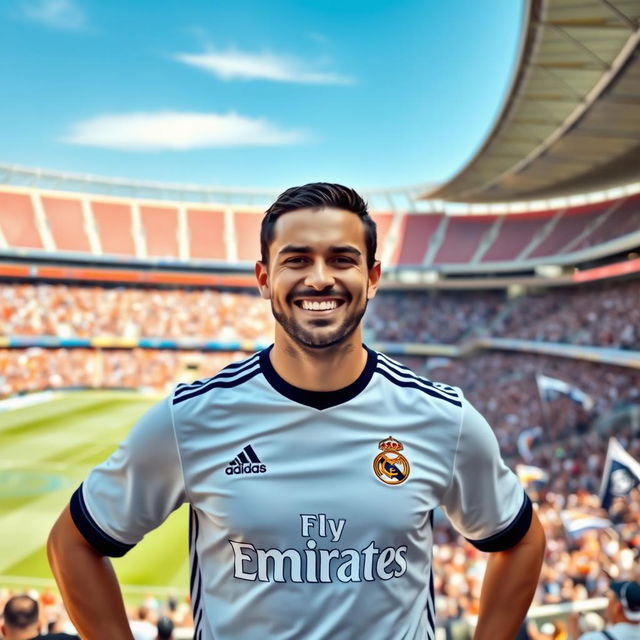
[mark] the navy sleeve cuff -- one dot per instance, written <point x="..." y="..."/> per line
<point x="510" y="536"/>
<point x="94" y="535"/>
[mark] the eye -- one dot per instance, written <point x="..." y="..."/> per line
<point x="295" y="260"/>
<point x="344" y="260"/>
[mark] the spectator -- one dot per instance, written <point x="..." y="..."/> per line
<point x="22" y="621"/>
<point x="165" y="629"/>
<point x="623" y="614"/>
<point x="144" y="627"/>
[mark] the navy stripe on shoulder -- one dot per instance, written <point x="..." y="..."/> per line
<point x="410" y="384"/>
<point x="217" y="384"/>
<point x="401" y="370"/>
<point x="510" y="536"/>
<point x="93" y="534"/>
<point x="226" y="372"/>
<point x="422" y="381"/>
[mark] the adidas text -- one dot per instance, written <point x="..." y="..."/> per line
<point x="245" y="468"/>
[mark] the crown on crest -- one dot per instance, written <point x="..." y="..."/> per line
<point x="390" y="444"/>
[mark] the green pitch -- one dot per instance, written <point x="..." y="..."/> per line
<point x="45" y="452"/>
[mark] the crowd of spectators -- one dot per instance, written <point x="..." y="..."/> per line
<point x="604" y="315"/>
<point x="35" y="369"/>
<point x="126" y="312"/>
<point x="571" y="449"/>
<point x="441" y="317"/>
<point x="151" y="619"/>
<point x="598" y="315"/>
<point x="503" y="386"/>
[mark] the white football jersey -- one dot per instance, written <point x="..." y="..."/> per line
<point x="311" y="512"/>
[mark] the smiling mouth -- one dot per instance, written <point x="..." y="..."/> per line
<point x="319" y="305"/>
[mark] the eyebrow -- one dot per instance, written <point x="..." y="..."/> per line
<point x="294" y="248"/>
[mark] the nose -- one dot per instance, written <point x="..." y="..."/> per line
<point x="319" y="276"/>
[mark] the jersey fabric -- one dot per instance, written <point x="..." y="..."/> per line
<point x="311" y="512"/>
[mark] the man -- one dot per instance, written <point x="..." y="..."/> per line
<point x="22" y="621"/>
<point x="623" y="614"/>
<point x="312" y="469"/>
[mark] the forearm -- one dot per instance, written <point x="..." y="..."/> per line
<point x="88" y="584"/>
<point x="509" y="586"/>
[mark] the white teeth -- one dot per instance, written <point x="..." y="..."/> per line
<point x="314" y="305"/>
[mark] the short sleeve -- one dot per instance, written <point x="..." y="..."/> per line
<point x="484" y="501"/>
<point x="135" y="489"/>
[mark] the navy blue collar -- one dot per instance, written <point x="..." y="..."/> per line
<point x="318" y="399"/>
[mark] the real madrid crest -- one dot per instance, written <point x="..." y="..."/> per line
<point x="391" y="466"/>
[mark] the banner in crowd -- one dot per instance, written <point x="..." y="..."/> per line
<point x="577" y="522"/>
<point x="549" y="389"/>
<point x="526" y="440"/>
<point x="531" y="476"/>
<point x="621" y="474"/>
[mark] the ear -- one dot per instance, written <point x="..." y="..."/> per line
<point x="262" y="276"/>
<point x="374" y="279"/>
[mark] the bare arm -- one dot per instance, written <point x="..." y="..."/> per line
<point x="87" y="582"/>
<point x="509" y="585"/>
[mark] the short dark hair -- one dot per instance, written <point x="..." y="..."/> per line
<point x="318" y="195"/>
<point x="21" y="612"/>
<point x="165" y="628"/>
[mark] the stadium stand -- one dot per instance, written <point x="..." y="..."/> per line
<point x="66" y="222"/>
<point x="515" y="234"/>
<point x="247" y="230"/>
<point x="602" y="315"/>
<point x="115" y="227"/>
<point x="17" y="221"/>
<point x="206" y="229"/>
<point x="625" y="219"/>
<point x="593" y="314"/>
<point x="462" y="239"/>
<point x="160" y="231"/>
<point x="174" y="232"/>
<point x="418" y="233"/>
<point x="569" y="225"/>
<point x="383" y="225"/>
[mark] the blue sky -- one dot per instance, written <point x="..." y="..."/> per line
<point x="253" y="93"/>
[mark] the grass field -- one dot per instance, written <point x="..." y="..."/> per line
<point x="46" y="450"/>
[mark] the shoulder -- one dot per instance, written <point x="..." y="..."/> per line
<point x="407" y="381"/>
<point x="233" y="375"/>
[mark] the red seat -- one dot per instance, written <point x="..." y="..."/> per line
<point x="66" y="223"/>
<point x="17" y="221"/>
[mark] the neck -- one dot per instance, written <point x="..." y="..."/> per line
<point x="325" y="369"/>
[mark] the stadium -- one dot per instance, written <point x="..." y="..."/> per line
<point x="518" y="280"/>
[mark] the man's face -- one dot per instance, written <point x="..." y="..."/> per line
<point x="317" y="278"/>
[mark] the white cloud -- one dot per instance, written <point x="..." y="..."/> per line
<point x="59" y="14"/>
<point x="178" y="131"/>
<point x="239" y="65"/>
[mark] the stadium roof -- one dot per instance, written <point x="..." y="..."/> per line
<point x="571" y="120"/>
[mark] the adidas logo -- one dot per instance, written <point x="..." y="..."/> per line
<point x="246" y="461"/>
